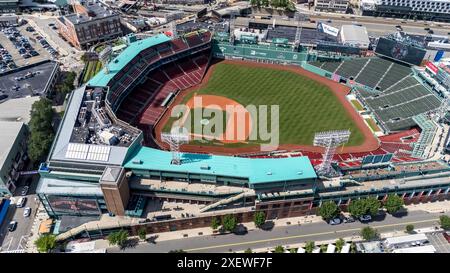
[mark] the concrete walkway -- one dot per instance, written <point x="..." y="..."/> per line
<point x="208" y="231"/>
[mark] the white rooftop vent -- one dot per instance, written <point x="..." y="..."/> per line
<point x="300" y="172"/>
<point x="137" y="161"/>
<point x="205" y="167"/>
<point x="269" y="173"/>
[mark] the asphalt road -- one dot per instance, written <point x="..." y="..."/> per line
<point x="284" y="235"/>
<point x="17" y="239"/>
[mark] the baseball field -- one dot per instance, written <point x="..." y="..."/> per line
<point x="306" y="105"/>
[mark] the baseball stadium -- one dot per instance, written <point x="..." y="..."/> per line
<point x="344" y="120"/>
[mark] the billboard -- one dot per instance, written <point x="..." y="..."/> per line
<point x="73" y="205"/>
<point x="327" y="29"/>
<point x="431" y="68"/>
<point x="400" y="51"/>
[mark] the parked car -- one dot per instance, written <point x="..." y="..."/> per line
<point x="365" y="218"/>
<point x="349" y="219"/>
<point x="447" y="237"/>
<point x="12" y="226"/>
<point x="21" y="202"/>
<point x="24" y="190"/>
<point x="27" y="212"/>
<point x="335" y="221"/>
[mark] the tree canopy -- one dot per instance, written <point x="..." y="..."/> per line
<point x="357" y="208"/>
<point x="229" y="222"/>
<point x="328" y="210"/>
<point x="279" y="249"/>
<point x="361" y="207"/>
<point x="444" y="220"/>
<point x="45" y="243"/>
<point x="215" y="223"/>
<point x="409" y="228"/>
<point x="309" y="247"/>
<point x="118" y="237"/>
<point x="372" y="205"/>
<point x="259" y="218"/>
<point x="142" y="233"/>
<point x="368" y="233"/>
<point x="393" y="203"/>
<point x="339" y="244"/>
<point x="41" y="131"/>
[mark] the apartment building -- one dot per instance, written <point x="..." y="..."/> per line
<point x="91" y="23"/>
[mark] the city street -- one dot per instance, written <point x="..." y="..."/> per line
<point x="285" y="235"/>
<point x="17" y="239"/>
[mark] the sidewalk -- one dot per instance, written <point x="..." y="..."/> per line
<point x="432" y="207"/>
<point x="354" y="239"/>
<point x="41" y="215"/>
<point x="208" y="231"/>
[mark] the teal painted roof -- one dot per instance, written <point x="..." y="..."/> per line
<point x="102" y="79"/>
<point x="257" y="170"/>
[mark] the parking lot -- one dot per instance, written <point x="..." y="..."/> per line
<point x="439" y="242"/>
<point x="24" y="45"/>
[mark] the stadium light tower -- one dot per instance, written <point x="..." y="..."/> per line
<point x="298" y="31"/>
<point x="176" y="137"/>
<point x="330" y="140"/>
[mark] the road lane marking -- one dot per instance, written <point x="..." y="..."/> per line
<point x="307" y="235"/>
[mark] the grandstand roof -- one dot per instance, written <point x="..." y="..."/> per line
<point x="257" y="170"/>
<point x="102" y="79"/>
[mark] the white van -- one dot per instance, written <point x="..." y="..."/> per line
<point x="21" y="202"/>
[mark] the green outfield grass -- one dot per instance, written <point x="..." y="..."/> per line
<point x="306" y="106"/>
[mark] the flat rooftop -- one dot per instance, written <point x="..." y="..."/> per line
<point x="256" y="170"/>
<point x="32" y="80"/>
<point x="80" y="136"/>
<point x="96" y="11"/>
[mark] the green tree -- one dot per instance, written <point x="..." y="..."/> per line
<point x="142" y="232"/>
<point x="328" y="210"/>
<point x="323" y="248"/>
<point x="259" y="218"/>
<point x="118" y="238"/>
<point x="393" y="203"/>
<point x="248" y="250"/>
<point x="309" y="247"/>
<point x="357" y="208"/>
<point x="409" y="228"/>
<point x="339" y="244"/>
<point x="215" y="223"/>
<point x="41" y="131"/>
<point x="229" y="222"/>
<point x="368" y="233"/>
<point x="279" y="249"/>
<point x="45" y="243"/>
<point x="444" y="221"/>
<point x="372" y="205"/>
<point x="265" y="3"/>
<point x="352" y="247"/>
<point x="293" y="250"/>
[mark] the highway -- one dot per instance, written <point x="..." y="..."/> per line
<point x="285" y="235"/>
